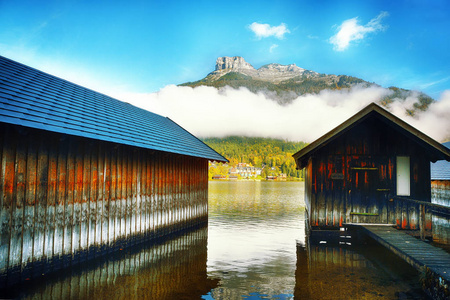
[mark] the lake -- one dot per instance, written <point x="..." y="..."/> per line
<point x="248" y="250"/>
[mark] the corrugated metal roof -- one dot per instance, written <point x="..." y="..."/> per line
<point x="31" y="98"/>
<point x="440" y="170"/>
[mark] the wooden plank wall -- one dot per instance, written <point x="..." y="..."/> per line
<point x="440" y="194"/>
<point x="66" y="199"/>
<point x="370" y="145"/>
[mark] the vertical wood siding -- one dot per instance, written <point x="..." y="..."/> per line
<point x="353" y="179"/>
<point x="440" y="194"/>
<point x="65" y="199"/>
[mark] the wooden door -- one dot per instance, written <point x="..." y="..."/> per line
<point x="365" y="206"/>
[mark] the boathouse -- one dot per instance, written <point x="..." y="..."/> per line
<point x="83" y="174"/>
<point x="364" y="169"/>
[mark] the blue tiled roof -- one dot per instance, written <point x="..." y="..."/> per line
<point x="31" y="98"/>
<point x="440" y="170"/>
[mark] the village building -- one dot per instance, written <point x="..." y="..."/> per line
<point x="83" y="174"/>
<point x="366" y="169"/>
<point x="244" y="170"/>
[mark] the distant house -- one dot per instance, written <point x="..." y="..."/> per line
<point x="360" y="171"/>
<point x="83" y="174"/>
<point x="245" y="170"/>
<point x="282" y="176"/>
<point x="440" y="181"/>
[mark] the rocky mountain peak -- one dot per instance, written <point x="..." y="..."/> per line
<point x="236" y="63"/>
<point x="272" y="72"/>
<point x="283" y="68"/>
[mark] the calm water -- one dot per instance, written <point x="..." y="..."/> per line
<point x="247" y="251"/>
<point x="253" y="228"/>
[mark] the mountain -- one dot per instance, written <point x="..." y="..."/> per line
<point x="284" y="83"/>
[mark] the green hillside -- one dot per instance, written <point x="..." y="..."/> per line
<point x="274" y="156"/>
<point x="286" y="91"/>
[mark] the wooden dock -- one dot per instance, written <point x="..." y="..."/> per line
<point x="431" y="261"/>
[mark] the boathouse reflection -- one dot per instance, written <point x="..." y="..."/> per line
<point x="169" y="269"/>
<point x="332" y="271"/>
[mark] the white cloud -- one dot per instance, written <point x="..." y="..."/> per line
<point x="265" y="30"/>
<point x="206" y="111"/>
<point x="350" y="31"/>
<point x="434" y="122"/>
<point x="273" y="47"/>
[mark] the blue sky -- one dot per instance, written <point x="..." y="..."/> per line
<point x="143" y="46"/>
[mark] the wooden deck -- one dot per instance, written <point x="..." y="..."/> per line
<point x="431" y="261"/>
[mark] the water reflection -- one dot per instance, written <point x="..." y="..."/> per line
<point x="253" y="228"/>
<point x="171" y="269"/>
<point x="357" y="272"/>
<point x="248" y="251"/>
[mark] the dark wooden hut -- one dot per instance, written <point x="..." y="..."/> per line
<point x="360" y="171"/>
<point x="83" y="174"/>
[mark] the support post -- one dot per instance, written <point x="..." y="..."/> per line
<point x="422" y="223"/>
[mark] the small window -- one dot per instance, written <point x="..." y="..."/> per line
<point x="403" y="176"/>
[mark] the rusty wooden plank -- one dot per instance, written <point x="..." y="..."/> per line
<point x="150" y="182"/>
<point x="94" y="218"/>
<point x="170" y="192"/>
<point x="120" y="203"/>
<point x="178" y="189"/>
<point x="114" y="221"/>
<point x="100" y="195"/>
<point x="157" y="202"/>
<point x="29" y="207"/>
<point x="129" y="196"/>
<point x="133" y="202"/>
<point x="120" y="222"/>
<point x="106" y="212"/>
<point x="4" y="217"/>
<point x="50" y="207"/>
<point x="69" y="203"/>
<point x="17" y="207"/>
<point x="85" y="213"/>
<point x="77" y="202"/>
<point x="61" y="193"/>
<point x="159" y="192"/>
<point x="41" y="208"/>
<point x="142" y="192"/>
<point x="139" y="207"/>
<point x="183" y="192"/>
<point x="162" y="193"/>
<point x="6" y="201"/>
<point x="153" y="194"/>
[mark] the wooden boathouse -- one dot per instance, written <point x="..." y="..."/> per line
<point x="83" y="174"/>
<point x="371" y="171"/>
<point x="365" y="171"/>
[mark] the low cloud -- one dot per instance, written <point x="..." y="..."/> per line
<point x="350" y="31"/>
<point x="265" y="30"/>
<point x="206" y="111"/>
<point x="273" y="47"/>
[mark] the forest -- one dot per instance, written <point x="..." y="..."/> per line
<point x="273" y="156"/>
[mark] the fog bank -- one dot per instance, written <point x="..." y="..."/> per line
<point x="208" y="112"/>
